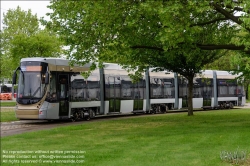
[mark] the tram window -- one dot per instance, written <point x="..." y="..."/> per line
<point x="238" y="91"/>
<point x="93" y="92"/>
<point x="141" y="83"/>
<point x="93" y="84"/>
<point x="93" y="88"/>
<point x="62" y="91"/>
<point x="231" y="90"/>
<point x="126" y="86"/>
<point x="63" y="80"/>
<point x="78" y="93"/>
<point x="206" y="90"/>
<point x="226" y="88"/>
<point x="78" y="88"/>
<point x="51" y="95"/>
<point x="112" y="86"/>
<point x="167" y="88"/>
<point x="154" y="87"/>
<point x="126" y="89"/>
<point x="183" y="87"/>
<point x="196" y="89"/>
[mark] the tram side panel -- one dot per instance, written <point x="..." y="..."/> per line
<point x="240" y="92"/>
<point x="230" y="92"/>
<point x="203" y="92"/>
<point x="133" y="95"/>
<point x="121" y="95"/>
<point x="183" y="92"/>
<point x="197" y="96"/>
<point x="51" y="104"/>
<point x="139" y="96"/>
<point x="126" y="95"/>
<point x="85" y="94"/>
<point x="162" y="92"/>
<point x="112" y="94"/>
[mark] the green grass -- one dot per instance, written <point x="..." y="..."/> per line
<point x="165" y="139"/>
<point x="7" y="103"/>
<point x="7" y="115"/>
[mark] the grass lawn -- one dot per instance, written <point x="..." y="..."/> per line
<point x="159" y="140"/>
<point x="7" y="103"/>
<point x="7" y="115"/>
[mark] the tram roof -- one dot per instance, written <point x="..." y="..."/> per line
<point x="54" y="61"/>
<point x="59" y="64"/>
<point x="117" y="69"/>
<point x="205" y="74"/>
<point x="225" y="75"/>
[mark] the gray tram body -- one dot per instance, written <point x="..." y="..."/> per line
<point x="109" y="90"/>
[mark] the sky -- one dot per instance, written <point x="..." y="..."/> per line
<point x="38" y="7"/>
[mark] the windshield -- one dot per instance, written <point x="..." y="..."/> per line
<point x="31" y="86"/>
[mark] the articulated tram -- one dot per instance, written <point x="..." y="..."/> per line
<point x="49" y="88"/>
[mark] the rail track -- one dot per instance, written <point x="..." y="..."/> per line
<point x="18" y="127"/>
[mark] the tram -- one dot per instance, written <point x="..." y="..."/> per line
<point x="49" y="88"/>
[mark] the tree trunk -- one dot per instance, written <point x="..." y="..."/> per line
<point x="190" y="96"/>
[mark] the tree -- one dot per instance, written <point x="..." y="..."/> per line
<point x="235" y="63"/>
<point x="224" y="62"/>
<point x="243" y="69"/>
<point x="21" y="37"/>
<point x="173" y="35"/>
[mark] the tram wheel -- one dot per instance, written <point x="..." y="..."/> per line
<point x="87" y="118"/>
<point x="75" y="116"/>
<point x="231" y="106"/>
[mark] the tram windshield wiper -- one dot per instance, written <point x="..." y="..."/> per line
<point x="36" y="91"/>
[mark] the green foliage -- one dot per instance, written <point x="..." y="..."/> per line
<point x="21" y="37"/>
<point x="140" y="34"/>
<point x="17" y="21"/>
<point x="134" y="33"/>
<point x="224" y="62"/>
<point x="236" y="63"/>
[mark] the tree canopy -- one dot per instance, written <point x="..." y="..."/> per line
<point x="179" y="36"/>
<point x="22" y="37"/>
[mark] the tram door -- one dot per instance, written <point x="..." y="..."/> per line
<point x="239" y="94"/>
<point x="138" y="95"/>
<point x="63" y="88"/>
<point x="207" y="96"/>
<point x="207" y="92"/>
<point x="114" y="86"/>
<point x="183" y="92"/>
